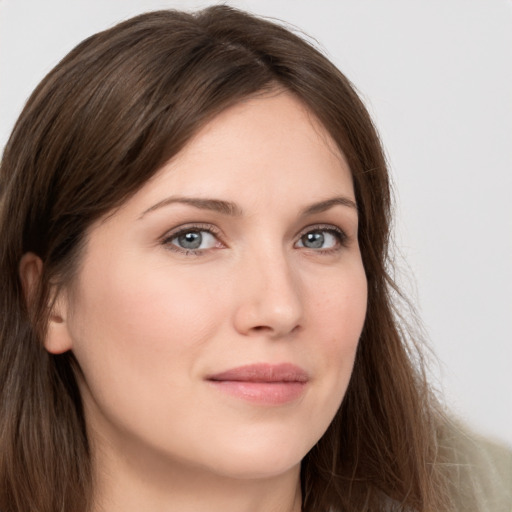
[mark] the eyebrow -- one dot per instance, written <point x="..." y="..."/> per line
<point x="232" y="209"/>
<point x="323" y="206"/>
<point x="216" y="205"/>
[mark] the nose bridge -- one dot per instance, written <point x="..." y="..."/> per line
<point x="272" y="299"/>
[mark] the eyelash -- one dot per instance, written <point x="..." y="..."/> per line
<point x="190" y="228"/>
<point x="338" y="233"/>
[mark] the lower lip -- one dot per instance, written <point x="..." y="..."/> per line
<point x="265" y="393"/>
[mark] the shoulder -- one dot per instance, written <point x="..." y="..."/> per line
<point x="481" y="471"/>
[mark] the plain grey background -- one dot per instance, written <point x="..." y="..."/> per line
<point x="437" y="78"/>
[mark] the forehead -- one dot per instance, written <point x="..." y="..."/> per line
<point x="267" y="149"/>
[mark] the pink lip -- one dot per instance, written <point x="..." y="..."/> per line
<point x="263" y="383"/>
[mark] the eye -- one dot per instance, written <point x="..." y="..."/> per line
<point x="322" y="238"/>
<point x="192" y="240"/>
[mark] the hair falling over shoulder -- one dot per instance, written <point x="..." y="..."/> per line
<point x="93" y="132"/>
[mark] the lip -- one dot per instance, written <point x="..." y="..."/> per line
<point x="262" y="383"/>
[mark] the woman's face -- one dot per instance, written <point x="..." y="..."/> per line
<point x="216" y="315"/>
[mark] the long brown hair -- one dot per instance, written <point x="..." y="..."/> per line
<point x="93" y="132"/>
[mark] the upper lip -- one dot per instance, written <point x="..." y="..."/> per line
<point x="263" y="372"/>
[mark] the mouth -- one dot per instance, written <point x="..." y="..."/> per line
<point x="265" y="384"/>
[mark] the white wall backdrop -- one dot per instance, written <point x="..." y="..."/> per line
<point x="437" y="76"/>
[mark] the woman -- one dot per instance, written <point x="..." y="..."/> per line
<point x="197" y="312"/>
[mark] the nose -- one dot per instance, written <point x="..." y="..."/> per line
<point x="270" y="302"/>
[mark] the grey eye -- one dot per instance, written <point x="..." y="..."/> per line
<point x="190" y="240"/>
<point x="319" y="239"/>
<point x="193" y="240"/>
<point x="314" y="240"/>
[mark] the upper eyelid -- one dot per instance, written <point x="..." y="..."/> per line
<point x="193" y="226"/>
<point x="202" y="226"/>
<point x="322" y="227"/>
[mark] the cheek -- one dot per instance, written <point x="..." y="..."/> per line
<point x="142" y="323"/>
<point x="338" y="314"/>
<point x="339" y="306"/>
<point x="139" y="337"/>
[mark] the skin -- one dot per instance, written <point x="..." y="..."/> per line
<point x="149" y="321"/>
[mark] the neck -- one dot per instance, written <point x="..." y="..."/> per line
<point x="170" y="486"/>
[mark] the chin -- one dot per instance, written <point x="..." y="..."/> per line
<point x="258" y="466"/>
<point x="262" y="455"/>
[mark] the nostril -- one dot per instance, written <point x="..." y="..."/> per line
<point x="262" y="328"/>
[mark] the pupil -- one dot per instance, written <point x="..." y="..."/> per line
<point x="191" y="240"/>
<point x="314" y="240"/>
